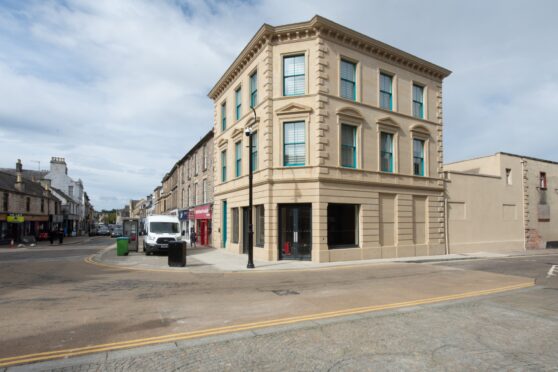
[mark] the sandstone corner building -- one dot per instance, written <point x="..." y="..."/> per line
<point x="347" y="150"/>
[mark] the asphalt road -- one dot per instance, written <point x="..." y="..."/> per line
<point x="57" y="301"/>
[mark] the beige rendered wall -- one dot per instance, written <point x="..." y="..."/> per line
<point x="484" y="212"/>
<point x="488" y="165"/>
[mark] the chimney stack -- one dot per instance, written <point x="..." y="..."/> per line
<point x="19" y="185"/>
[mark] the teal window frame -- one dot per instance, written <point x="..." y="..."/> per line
<point x="224" y="116"/>
<point x="295" y="75"/>
<point x="238" y="102"/>
<point x="238" y="159"/>
<point x="418" y="101"/>
<point x="224" y="166"/>
<point x="386" y="152"/>
<point x="386" y="91"/>
<point x="254" y="151"/>
<point x="418" y="157"/>
<point x="295" y="145"/>
<point x="224" y="224"/>
<point x="346" y="145"/>
<point x="347" y="68"/>
<point x="254" y="89"/>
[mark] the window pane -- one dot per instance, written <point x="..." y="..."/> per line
<point x="348" y="146"/>
<point x="294" y="65"/>
<point x="294" y="85"/>
<point x="385" y="100"/>
<point x="348" y="135"/>
<point x="418" y="104"/>
<point x="293" y="75"/>
<point x="347" y="90"/>
<point x="385" y="83"/>
<point x="418" y="158"/>
<point x="417" y="93"/>
<point x="254" y="89"/>
<point x="294" y="144"/>
<point x="254" y="151"/>
<point x="386" y="142"/>
<point x="386" y="152"/>
<point x="348" y="71"/>
<point x="418" y="147"/>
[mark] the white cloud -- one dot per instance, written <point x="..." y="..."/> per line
<point x="119" y="87"/>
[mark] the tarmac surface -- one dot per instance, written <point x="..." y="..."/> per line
<point x="64" y="303"/>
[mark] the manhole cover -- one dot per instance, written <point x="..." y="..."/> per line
<point x="284" y="292"/>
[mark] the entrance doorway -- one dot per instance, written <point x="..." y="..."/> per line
<point x="203" y="232"/>
<point x="295" y="232"/>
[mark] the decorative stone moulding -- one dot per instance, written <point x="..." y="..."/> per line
<point x="322" y="27"/>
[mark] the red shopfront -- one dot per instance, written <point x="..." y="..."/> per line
<point x="202" y="216"/>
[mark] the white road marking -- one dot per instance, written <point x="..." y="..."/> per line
<point x="551" y="271"/>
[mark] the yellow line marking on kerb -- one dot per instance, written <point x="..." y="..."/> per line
<point x="29" y="358"/>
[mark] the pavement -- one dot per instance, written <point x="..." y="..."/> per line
<point x="70" y="240"/>
<point x="208" y="259"/>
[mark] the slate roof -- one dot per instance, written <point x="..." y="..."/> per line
<point x="32" y="175"/>
<point x="8" y="180"/>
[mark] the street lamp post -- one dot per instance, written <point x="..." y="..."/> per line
<point x="249" y="133"/>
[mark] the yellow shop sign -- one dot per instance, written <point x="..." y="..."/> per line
<point x="15" y="218"/>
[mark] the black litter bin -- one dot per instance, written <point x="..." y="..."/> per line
<point x="177" y="254"/>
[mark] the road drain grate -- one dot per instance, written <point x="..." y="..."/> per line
<point x="284" y="292"/>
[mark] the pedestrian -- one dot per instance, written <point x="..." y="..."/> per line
<point x="192" y="238"/>
<point x="60" y="236"/>
<point x="51" y="236"/>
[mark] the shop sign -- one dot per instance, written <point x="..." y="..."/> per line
<point x="15" y="218"/>
<point x="183" y="215"/>
<point x="203" y="212"/>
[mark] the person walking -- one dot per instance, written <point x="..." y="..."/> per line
<point x="192" y="238"/>
<point x="60" y="236"/>
<point x="51" y="233"/>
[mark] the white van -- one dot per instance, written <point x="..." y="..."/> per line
<point x="159" y="231"/>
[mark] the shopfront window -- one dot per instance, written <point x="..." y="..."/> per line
<point x="342" y="225"/>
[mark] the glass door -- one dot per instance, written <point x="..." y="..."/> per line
<point x="295" y="232"/>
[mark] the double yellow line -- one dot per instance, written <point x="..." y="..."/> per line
<point x="30" y="358"/>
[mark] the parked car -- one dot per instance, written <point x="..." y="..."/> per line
<point x="116" y="231"/>
<point x="103" y="231"/>
<point x="159" y="231"/>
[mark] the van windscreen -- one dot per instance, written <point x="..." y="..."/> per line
<point x="164" y="227"/>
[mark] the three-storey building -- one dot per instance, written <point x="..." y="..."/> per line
<point x="348" y="147"/>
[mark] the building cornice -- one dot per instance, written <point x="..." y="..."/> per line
<point x="322" y="27"/>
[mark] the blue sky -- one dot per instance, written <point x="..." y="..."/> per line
<point x="119" y="88"/>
